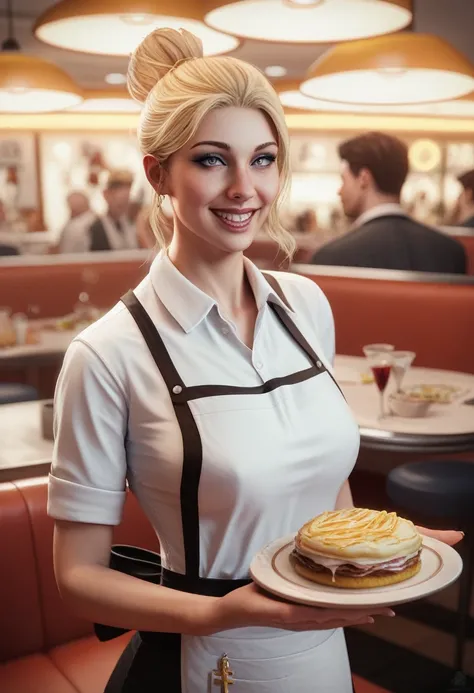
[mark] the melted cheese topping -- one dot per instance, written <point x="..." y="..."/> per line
<point x="358" y="536"/>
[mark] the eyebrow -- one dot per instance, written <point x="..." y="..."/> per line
<point x="224" y="145"/>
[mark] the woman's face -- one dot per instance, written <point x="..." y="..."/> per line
<point x="223" y="182"/>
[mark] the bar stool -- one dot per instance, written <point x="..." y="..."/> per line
<point x="10" y="393"/>
<point x="443" y="490"/>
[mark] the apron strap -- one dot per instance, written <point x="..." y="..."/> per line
<point x="192" y="446"/>
<point x="290" y="327"/>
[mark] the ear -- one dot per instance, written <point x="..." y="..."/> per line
<point x="366" y="179"/>
<point x="156" y="174"/>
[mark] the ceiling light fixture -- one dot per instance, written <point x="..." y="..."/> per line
<point x="116" y="78"/>
<point x="116" y="27"/>
<point x="29" y="84"/>
<point x="275" y="71"/>
<point x="403" y="68"/>
<point x="292" y="99"/>
<point x="303" y="21"/>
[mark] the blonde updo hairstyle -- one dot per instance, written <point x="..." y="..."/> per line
<point x="179" y="87"/>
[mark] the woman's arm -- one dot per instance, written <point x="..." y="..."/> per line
<point x="99" y="594"/>
<point x="344" y="498"/>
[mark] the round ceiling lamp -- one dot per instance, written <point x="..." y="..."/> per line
<point x="29" y="84"/>
<point x="403" y="68"/>
<point x="116" y="27"/>
<point x="292" y="98"/>
<point x="307" y="21"/>
<point x="32" y="85"/>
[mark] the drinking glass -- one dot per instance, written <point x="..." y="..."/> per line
<point x="370" y="349"/>
<point x="380" y="363"/>
<point x="402" y="361"/>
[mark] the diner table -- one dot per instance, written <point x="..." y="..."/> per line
<point x="448" y="428"/>
<point x="51" y="346"/>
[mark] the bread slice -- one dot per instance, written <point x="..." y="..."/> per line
<point x="325" y="577"/>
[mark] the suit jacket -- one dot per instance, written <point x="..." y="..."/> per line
<point x="468" y="223"/>
<point x="395" y="242"/>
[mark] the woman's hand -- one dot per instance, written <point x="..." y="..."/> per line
<point x="250" y="606"/>
<point x="447" y="536"/>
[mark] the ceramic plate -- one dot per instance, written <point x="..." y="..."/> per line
<point x="271" y="569"/>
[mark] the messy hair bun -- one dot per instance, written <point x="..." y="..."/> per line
<point x="157" y="54"/>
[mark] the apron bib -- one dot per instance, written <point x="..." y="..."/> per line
<point x="262" y="660"/>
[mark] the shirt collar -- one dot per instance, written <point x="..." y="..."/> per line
<point x="379" y="211"/>
<point x="188" y="304"/>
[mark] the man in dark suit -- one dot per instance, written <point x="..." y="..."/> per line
<point x="465" y="203"/>
<point x="374" y="169"/>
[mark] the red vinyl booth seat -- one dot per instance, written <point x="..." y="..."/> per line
<point x="44" y="648"/>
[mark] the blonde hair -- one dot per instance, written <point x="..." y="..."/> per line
<point x="179" y="87"/>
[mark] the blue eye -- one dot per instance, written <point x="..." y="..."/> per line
<point x="264" y="161"/>
<point x="209" y="161"/>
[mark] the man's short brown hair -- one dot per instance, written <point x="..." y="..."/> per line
<point x="119" y="178"/>
<point x="467" y="181"/>
<point x="385" y="156"/>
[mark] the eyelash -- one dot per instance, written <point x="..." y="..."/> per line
<point x="270" y="158"/>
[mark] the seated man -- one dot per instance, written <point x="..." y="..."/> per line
<point x="465" y="203"/>
<point x="374" y="169"/>
<point x="110" y="231"/>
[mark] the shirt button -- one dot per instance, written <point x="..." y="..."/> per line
<point x="319" y="364"/>
<point x="258" y="365"/>
<point x="225" y="330"/>
<point x="177" y="389"/>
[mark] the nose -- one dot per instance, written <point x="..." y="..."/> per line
<point x="241" y="186"/>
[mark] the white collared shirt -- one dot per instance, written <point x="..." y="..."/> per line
<point x="293" y="446"/>
<point x="382" y="210"/>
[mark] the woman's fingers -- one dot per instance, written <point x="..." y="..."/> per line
<point x="447" y="536"/>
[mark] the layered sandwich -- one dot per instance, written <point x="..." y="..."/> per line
<point x="357" y="548"/>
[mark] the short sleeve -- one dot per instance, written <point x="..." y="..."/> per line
<point x="88" y="473"/>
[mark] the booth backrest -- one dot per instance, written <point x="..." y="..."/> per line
<point x="425" y="314"/>
<point x="33" y="613"/>
<point x="54" y="288"/>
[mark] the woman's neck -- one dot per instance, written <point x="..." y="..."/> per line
<point x="220" y="275"/>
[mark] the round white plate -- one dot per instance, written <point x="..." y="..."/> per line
<point x="271" y="569"/>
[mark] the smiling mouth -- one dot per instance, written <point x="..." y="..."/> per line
<point x="237" y="221"/>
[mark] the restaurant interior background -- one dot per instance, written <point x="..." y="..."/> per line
<point x="45" y="154"/>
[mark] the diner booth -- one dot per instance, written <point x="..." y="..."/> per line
<point x="404" y="348"/>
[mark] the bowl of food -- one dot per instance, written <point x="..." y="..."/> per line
<point x="408" y="405"/>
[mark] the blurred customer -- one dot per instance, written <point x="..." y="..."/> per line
<point x="114" y="230"/>
<point x="4" y="225"/>
<point x="111" y="231"/>
<point x="307" y="221"/>
<point x="465" y="203"/>
<point x="374" y="169"/>
<point x="81" y="216"/>
<point x="6" y="248"/>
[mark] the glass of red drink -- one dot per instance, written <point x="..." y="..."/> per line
<point x="380" y="362"/>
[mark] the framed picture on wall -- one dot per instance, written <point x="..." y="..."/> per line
<point x="18" y="178"/>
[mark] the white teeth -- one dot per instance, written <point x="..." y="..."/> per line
<point x="237" y="218"/>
